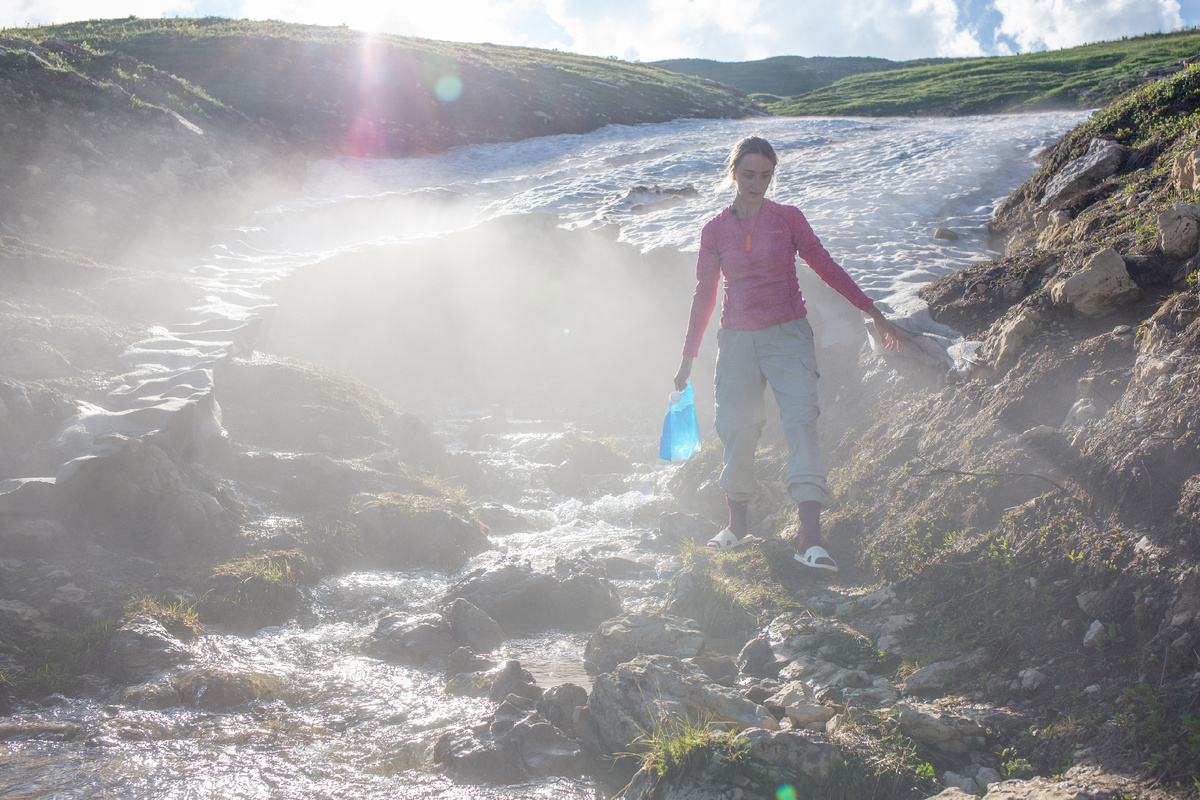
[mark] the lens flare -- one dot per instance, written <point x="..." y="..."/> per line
<point x="449" y="88"/>
<point x="786" y="792"/>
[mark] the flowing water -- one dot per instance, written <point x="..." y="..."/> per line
<point x="349" y="725"/>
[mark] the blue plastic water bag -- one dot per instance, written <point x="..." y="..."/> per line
<point x="680" y="433"/>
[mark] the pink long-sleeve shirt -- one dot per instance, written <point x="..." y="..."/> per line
<point x="761" y="288"/>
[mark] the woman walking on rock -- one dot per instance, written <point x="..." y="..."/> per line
<point x="765" y="338"/>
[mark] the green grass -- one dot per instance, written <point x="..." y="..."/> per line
<point x="51" y="663"/>
<point x="1080" y="77"/>
<point x="677" y="746"/>
<point x="179" y="617"/>
<point x="784" y="75"/>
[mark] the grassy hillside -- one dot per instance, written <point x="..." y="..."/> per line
<point x="1079" y="77"/>
<point x="784" y="76"/>
<point x="339" y="90"/>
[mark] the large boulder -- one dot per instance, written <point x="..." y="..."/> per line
<point x="1099" y="288"/>
<point x="692" y="594"/>
<point x="407" y="530"/>
<point x="1006" y="344"/>
<point x="574" y="594"/>
<point x="641" y="633"/>
<point x="794" y="752"/>
<point x="143" y="500"/>
<point x="1102" y="160"/>
<point x="412" y="639"/>
<point x="141" y="648"/>
<point x="213" y="687"/>
<point x="649" y="692"/>
<point x="473" y="628"/>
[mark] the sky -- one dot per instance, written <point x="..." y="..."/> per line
<point x="650" y="30"/>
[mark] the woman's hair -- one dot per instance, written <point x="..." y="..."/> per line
<point x="749" y="145"/>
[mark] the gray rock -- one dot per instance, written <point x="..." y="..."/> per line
<point x="1102" y="160"/>
<point x="412" y="639"/>
<point x="141" y="648"/>
<point x="641" y="633"/>
<point x="933" y="678"/>
<point x="472" y="627"/>
<point x="794" y="751"/>
<point x="1096" y="635"/>
<point x="642" y="694"/>
<point x="941" y="729"/>
<point x="757" y="659"/>
<point x="986" y="777"/>
<point x="1031" y="679"/>
<point x="953" y="779"/>
<point x="574" y="595"/>
<point x="414" y="530"/>
<point x="513" y="679"/>
<point x="945" y="233"/>
<point x="675" y="528"/>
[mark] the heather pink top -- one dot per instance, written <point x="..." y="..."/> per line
<point x="760" y="286"/>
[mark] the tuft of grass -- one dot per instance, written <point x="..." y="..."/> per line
<point x="678" y="746"/>
<point x="179" y="617"/>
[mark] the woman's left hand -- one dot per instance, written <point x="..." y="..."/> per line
<point x="888" y="333"/>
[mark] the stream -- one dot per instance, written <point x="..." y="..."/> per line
<point x="349" y="725"/>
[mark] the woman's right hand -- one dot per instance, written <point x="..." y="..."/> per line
<point x="685" y="370"/>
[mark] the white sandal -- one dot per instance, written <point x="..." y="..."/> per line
<point x="726" y="540"/>
<point x="813" y="556"/>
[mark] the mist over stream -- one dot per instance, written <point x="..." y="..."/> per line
<point x="544" y="283"/>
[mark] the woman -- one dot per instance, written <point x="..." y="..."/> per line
<point x="765" y="339"/>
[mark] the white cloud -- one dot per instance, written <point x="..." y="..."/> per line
<point x="1053" y="24"/>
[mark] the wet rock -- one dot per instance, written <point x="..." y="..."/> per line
<point x="148" y="503"/>
<point x="41" y="730"/>
<point x="472" y="627"/>
<point x="1102" y="286"/>
<point x="618" y="568"/>
<point x="641" y="694"/>
<point x="1179" y="230"/>
<point x="1102" y="160"/>
<point x="641" y="633"/>
<point x="152" y="695"/>
<point x="465" y="660"/>
<point x="141" y="648"/>
<point x="407" y="530"/>
<point x="574" y="594"/>
<point x="513" y="679"/>
<point x="559" y="704"/>
<point x="217" y="688"/>
<point x="412" y="639"/>
<point x="515" y="744"/>
<point x="945" y="233"/>
<point x="950" y="733"/>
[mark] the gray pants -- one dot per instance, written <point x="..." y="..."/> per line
<point x="784" y="357"/>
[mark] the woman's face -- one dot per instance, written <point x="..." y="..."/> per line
<point x="752" y="175"/>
